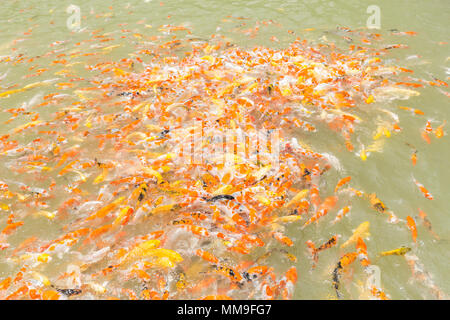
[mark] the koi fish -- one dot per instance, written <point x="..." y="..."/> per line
<point x="341" y="183"/>
<point x="328" y="203"/>
<point x="297" y="198"/>
<point x="288" y="255"/>
<point x="423" y="190"/>
<point x="282" y="238"/>
<point x="344" y="261"/>
<point x="414" y="157"/>
<point x="290" y="218"/>
<point x="10" y="227"/>
<point x="428" y="127"/>
<point x="228" y="272"/>
<point x="101" y="176"/>
<point x="398" y="252"/>
<point x="425" y="136"/>
<point x="361" y="249"/>
<point x="422" y="276"/>
<point x="427" y="223"/>
<point x="314" y="195"/>
<point x="197" y="230"/>
<point x="341" y="214"/>
<point x="378" y="293"/>
<point x="123" y="217"/>
<point x="132" y="114"/>
<point x="376" y="203"/>
<point x="412" y="227"/>
<point x="165" y="257"/>
<point x="315" y="251"/>
<point x="362" y="231"/>
<point x="363" y="154"/>
<point x="416" y="111"/>
<point x="207" y="256"/>
<point x="142" y="250"/>
<point x="439" y="132"/>
<point x="164" y="209"/>
<point x="255" y="272"/>
<point x="27" y="87"/>
<point x="107" y="209"/>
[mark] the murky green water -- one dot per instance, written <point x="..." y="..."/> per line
<point x="389" y="173"/>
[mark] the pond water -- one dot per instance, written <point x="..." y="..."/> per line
<point x="42" y="44"/>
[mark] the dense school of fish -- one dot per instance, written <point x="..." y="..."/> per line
<point x="107" y="158"/>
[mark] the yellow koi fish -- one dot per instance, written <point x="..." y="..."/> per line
<point x="141" y="250"/>
<point x="362" y="231"/>
<point x="297" y="198"/>
<point x="397" y="252"/>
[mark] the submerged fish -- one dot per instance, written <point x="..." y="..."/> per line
<point x="171" y="171"/>
<point x="362" y="231"/>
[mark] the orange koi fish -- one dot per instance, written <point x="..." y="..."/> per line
<point x="205" y="255"/>
<point x="105" y="210"/>
<point x="315" y="251"/>
<point x="361" y="249"/>
<point x="376" y="203"/>
<point x="314" y="194"/>
<point x="377" y="293"/>
<point x="341" y="183"/>
<point x="344" y="261"/>
<point x="327" y="204"/>
<point x="414" y="157"/>
<point x="341" y="214"/>
<point x="10" y="227"/>
<point x="426" y="137"/>
<point x="427" y="223"/>
<point x="231" y="274"/>
<point x="412" y="227"/>
<point x="416" y="111"/>
<point x="439" y="132"/>
<point x="255" y="272"/>
<point x="282" y="238"/>
<point x="428" y="127"/>
<point x="423" y="190"/>
<point x="199" y="231"/>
